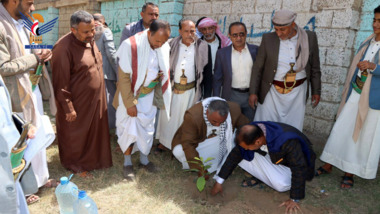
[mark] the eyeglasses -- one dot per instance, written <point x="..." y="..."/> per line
<point x="236" y="35"/>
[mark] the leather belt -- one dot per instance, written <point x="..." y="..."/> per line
<point x="241" y="90"/>
<point x="290" y="84"/>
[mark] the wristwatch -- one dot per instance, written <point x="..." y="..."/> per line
<point x="295" y="200"/>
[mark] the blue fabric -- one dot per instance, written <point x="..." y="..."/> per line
<point x="276" y="137"/>
<point x="247" y="155"/>
<point x="374" y="90"/>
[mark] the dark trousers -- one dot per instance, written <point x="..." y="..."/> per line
<point x="110" y="93"/>
<point x="242" y="99"/>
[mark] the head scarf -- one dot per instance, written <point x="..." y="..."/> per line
<point x="207" y="22"/>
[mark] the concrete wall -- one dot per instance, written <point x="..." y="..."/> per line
<point x="119" y="13"/>
<point x="366" y="18"/>
<point x="340" y="25"/>
<point x="49" y="14"/>
<point x="66" y="9"/>
<point x="335" y="22"/>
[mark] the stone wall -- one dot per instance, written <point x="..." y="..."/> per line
<point x="366" y="18"/>
<point x="66" y="9"/>
<point x="120" y="13"/>
<point x="116" y="13"/>
<point x="336" y="23"/>
<point x="49" y="14"/>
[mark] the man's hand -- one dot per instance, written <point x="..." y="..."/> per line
<point x="44" y="55"/>
<point x="362" y="65"/>
<point x="72" y="116"/>
<point x="291" y="206"/>
<point x="32" y="132"/>
<point x="217" y="188"/>
<point x="132" y="111"/>
<point x="253" y="100"/>
<point x="315" y="100"/>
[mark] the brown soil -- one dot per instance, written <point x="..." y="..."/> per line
<point x="236" y="199"/>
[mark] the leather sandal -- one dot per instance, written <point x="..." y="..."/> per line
<point x="347" y="180"/>
<point x="250" y="182"/>
<point x="32" y="199"/>
<point x="321" y="171"/>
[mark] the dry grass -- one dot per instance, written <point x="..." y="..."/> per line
<point x="171" y="191"/>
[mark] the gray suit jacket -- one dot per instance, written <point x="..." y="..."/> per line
<point x="131" y="30"/>
<point x="223" y="70"/>
<point x="265" y="67"/>
<point x="106" y="46"/>
<point x="203" y="63"/>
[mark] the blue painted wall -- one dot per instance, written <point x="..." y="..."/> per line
<point x="366" y="18"/>
<point x="119" y="13"/>
<point x="50" y="37"/>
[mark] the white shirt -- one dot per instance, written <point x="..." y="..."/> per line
<point x="286" y="55"/>
<point x="186" y="60"/>
<point x="210" y="129"/>
<point x="241" y="67"/>
<point x="214" y="48"/>
<point x="21" y="32"/>
<point x="153" y="67"/>
<point x="373" y="48"/>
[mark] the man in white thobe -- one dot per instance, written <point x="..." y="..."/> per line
<point x="190" y="55"/>
<point x="281" y="98"/>
<point x="354" y="142"/>
<point x="207" y="132"/>
<point x="143" y="80"/>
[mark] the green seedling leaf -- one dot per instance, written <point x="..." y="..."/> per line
<point x="194" y="162"/>
<point x="201" y="182"/>
<point x="209" y="159"/>
<point x="202" y="159"/>
<point x="192" y="170"/>
<point x="207" y="167"/>
<point x="196" y="158"/>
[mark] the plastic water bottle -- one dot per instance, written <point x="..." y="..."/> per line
<point x="66" y="193"/>
<point x="84" y="204"/>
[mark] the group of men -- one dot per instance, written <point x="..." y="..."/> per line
<point x="201" y="94"/>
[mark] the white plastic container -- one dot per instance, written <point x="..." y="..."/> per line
<point x="84" y="204"/>
<point x="66" y="193"/>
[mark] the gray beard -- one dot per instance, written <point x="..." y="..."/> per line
<point x="98" y="32"/>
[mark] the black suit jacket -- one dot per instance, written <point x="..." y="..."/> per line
<point x="223" y="70"/>
<point x="292" y="156"/>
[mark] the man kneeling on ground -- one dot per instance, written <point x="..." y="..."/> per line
<point x="288" y="165"/>
<point x="207" y="132"/>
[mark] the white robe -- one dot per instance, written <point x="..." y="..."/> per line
<point x="167" y="127"/>
<point x="139" y="129"/>
<point x="285" y="108"/>
<point x="147" y="64"/>
<point x="39" y="162"/>
<point x="362" y="157"/>
<point x="180" y="102"/>
<point x="210" y="147"/>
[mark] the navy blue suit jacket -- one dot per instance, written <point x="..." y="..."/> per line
<point x="223" y="70"/>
